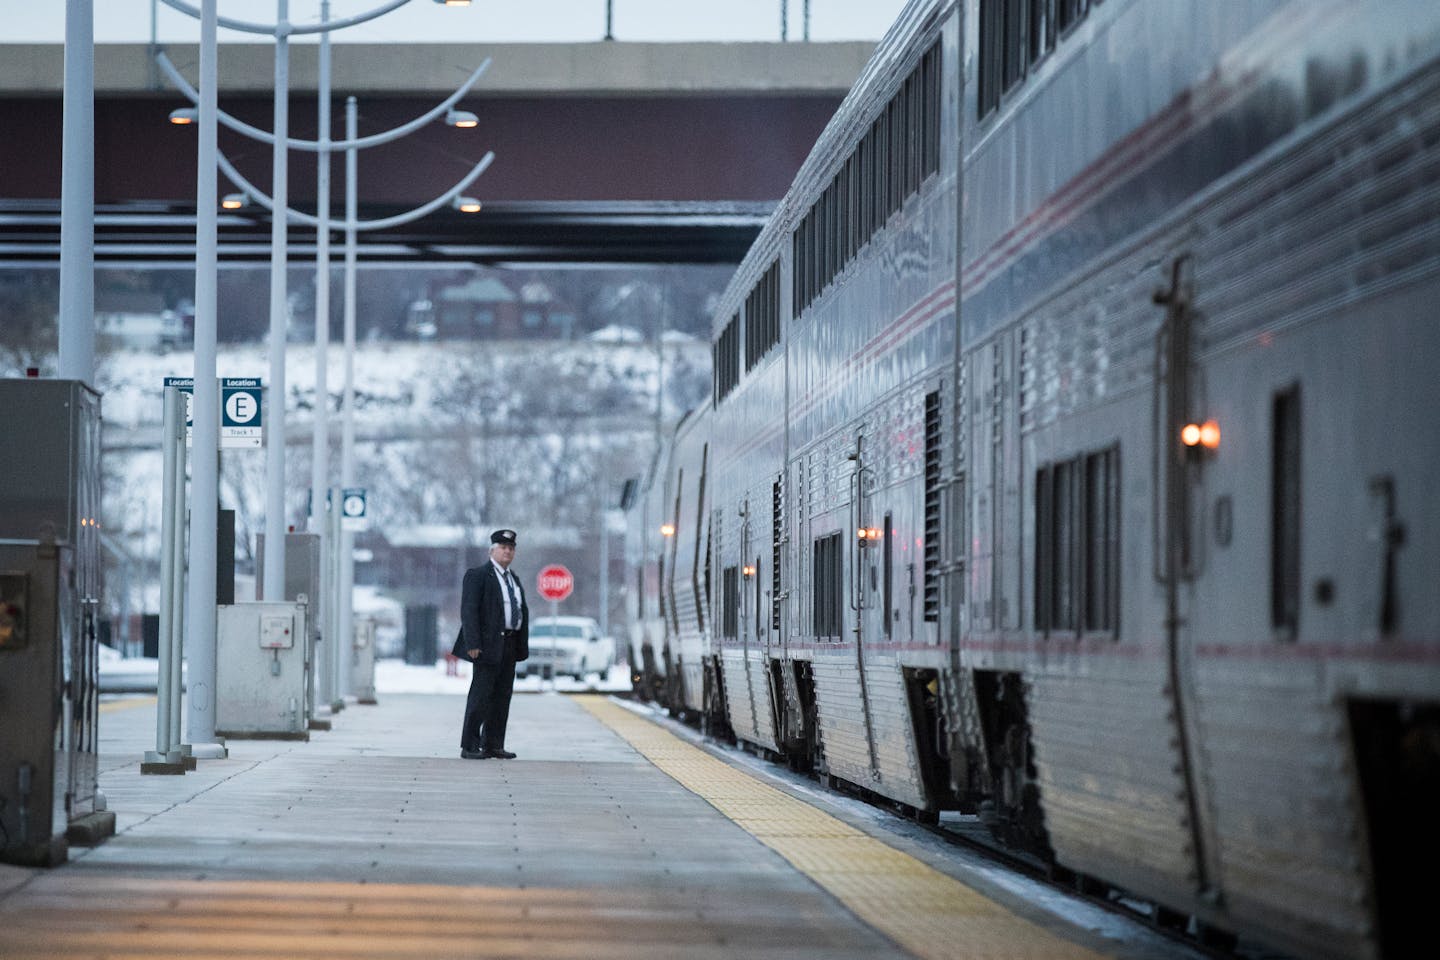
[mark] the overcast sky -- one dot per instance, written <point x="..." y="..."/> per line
<point x="485" y="21"/>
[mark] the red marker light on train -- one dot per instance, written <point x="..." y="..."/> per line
<point x="1210" y="435"/>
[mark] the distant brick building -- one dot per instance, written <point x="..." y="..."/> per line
<point x="486" y="307"/>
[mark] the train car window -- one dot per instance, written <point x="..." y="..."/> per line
<point x="881" y="133"/>
<point x="1285" y="512"/>
<point x="730" y="603"/>
<point x="812" y="265"/>
<point x="1044" y="523"/>
<point x="1015" y="34"/>
<point x="826" y="248"/>
<point x="762" y="315"/>
<point x="865" y="175"/>
<point x="796" y="294"/>
<point x="1077" y="544"/>
<point x="1012" y="69"/>
<point x="827" y="579"/>
<point x="726" y="359"/>
<point x="987" y="80"/>
<point x="897" y="155"/>
<point x="1062" y="546"/>
<point x="1042" y="28"/>
<point x="853" y="206"/>
<point x="932" y="506"/>
<point x="1070" y="12"/>
<point x="660" y="584"/>
<point x="802" y="265"/>
<point x="832" y="231"/>
<point x="1102" y="540"/>
<point x="933" y="96"/>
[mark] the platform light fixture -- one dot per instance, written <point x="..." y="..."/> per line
<point x="234" y="201"/>
<point x="184" y="116"/>
<point x="466" y="204"/>
<point x="453" y="3"/>
<point x="463" y="119"/>
<point x="667" y="529"/>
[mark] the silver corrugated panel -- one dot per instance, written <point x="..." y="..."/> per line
<point x="693" y="672"/>
<point x="894" y="733"/>
<point x="1263" y="727"/>
<point x="759" y="680"/>
<point x="842" y="718"/>
<point x="1109" y="778"/>
<point x="737" y="699"/>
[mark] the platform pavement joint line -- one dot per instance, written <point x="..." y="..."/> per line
<point x="920" y="908"/>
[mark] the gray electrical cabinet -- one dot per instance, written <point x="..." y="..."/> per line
<point x="261" y="671"/>
<point x="302" y="582"/>
<point x="362" y="661"/>
<point x="50" y="592"/>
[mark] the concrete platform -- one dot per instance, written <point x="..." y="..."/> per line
<point x="376" y="840"/>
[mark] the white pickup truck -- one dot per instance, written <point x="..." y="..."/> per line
<point x="567" y="646"/>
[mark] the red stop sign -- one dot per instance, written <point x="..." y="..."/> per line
<point x="555" y="582"/>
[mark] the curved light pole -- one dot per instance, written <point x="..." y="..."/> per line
<point x="202" y="533"/>
<point x="342" y="595"/>
<point x="274" y="582"/>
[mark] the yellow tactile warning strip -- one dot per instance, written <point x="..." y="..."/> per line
<point x="925" y="911"/>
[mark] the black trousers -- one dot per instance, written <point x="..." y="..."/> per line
<point x="487" y="708"/>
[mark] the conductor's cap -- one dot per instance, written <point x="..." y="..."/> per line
<point x="506" y="537"/>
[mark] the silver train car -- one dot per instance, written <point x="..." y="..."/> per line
<point x="1067" y="454"/>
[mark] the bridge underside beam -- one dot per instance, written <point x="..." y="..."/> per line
<point x="159" y="234"/>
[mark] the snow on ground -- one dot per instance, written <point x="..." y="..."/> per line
<point x="397" y="676"/>
<point x="137" y="675"/>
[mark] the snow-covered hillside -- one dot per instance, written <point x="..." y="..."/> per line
<point x="467" y="433"/>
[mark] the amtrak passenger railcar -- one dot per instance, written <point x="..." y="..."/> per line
<point x="1070" y="453"/>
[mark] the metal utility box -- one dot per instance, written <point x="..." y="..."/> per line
<point x="362" y="661"/>
<point x="302" y="582"/>
<point x="50" y="474"/>
<point x="41" y="753"/>
<point x="302" y="567"/>
<point x="50" y="534"/>
<point x="262" y="671"/>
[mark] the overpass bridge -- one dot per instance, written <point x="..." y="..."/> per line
<point x="605" y="151"/>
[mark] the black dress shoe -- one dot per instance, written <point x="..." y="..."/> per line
<point x="497" y="755"/>
<point x="473" y="754"/>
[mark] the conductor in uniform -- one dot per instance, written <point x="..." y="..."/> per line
<point x="494" y="636"/>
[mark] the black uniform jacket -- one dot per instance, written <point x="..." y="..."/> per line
<point x="482" y="617"/>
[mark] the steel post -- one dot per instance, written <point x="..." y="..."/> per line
<point x="346" y="579"/>
<point x="163" y="745"/>
<point x="199" y="637"/>
<point x="320" y="441"/>
<point x="77" y="196"/>
<point x="273" y="587"/>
